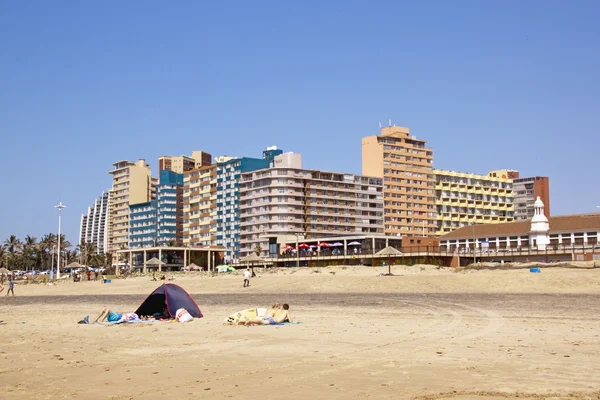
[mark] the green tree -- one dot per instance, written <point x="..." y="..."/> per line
<point x="88" y="251"/>
<point x="12" y="246"/>
<point x="46" y="247"/>
<point x="30" y="252"/>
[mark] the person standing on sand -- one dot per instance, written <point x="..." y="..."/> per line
<point x="246" y="277"/>
<point x="11" y="287"/>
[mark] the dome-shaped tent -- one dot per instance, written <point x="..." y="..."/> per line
<point x="170" y="297"/>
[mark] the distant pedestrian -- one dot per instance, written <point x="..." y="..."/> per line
<point x="11" y="287"/>
<point x="247" y="277"/>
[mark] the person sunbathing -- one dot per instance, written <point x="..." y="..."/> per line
<point x="112" y="316"/>
<point x="278" y="316"/>
<point x="269" y="313"/>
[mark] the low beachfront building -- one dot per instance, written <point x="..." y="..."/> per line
<point x="579" y="231"/>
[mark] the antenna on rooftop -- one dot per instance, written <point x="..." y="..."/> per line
<point x="379" y="124"/>
<point x="390" y="122"/>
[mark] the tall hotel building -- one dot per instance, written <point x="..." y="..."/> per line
<point x="132" y="184"/>
<point x="229" y="172"/>
<point x="94" y="224"/>
<point x="406" y="166"/>
<point x="200" y="206"/>
<point x="158" y="222"/>
<point x="289" y="200"/>
<point x="526" y="191"/>
<point x="466" y="199"/>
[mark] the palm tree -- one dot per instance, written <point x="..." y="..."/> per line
<point x="12" y="245"/>
<point x="30" y="250"/>
<point x="46" y="246"/>
<point x="2" y="256"/>
<point x="88" y="250"/>
<point x="70" y="256"/>
<point x="258" y="249"/>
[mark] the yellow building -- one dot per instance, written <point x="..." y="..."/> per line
<point x="182" y="164"/>
<point x="406" y="166"/>
<point x="200" y="206"/>
<point x="465" y="199"/>
<point x="132" y="184"/>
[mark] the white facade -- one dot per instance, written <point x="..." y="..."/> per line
<point x="94" y="224"/>
<point x="292" y="201"/>
<point x="538" y="235"/>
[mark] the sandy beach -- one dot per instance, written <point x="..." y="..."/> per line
<point x="421" y="334"/>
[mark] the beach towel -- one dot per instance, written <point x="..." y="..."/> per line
<point x="283" y="323"/>
<point x="138" y="321"/>
<point x="86" y="321"/>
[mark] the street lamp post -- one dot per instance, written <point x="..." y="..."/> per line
<point x="60" y="206"/>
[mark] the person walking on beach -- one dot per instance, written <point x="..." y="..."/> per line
<point x="11" y="287"/>
<point x="246" y="277"/>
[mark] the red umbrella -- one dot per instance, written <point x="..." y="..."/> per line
<point x="323" y="244"/>
<point x="303" y="246"/>
<point x="288" y="247"/>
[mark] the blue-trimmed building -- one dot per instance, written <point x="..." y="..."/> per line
<point x="142" y="224"/>
<point x="159" y="221"/>
<point x="229" y="171"/>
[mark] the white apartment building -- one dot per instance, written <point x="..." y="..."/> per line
<point x="288" y="200"/>
<point x="94" y="224"/>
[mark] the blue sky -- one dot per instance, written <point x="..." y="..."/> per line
<point x="489" y="85"/>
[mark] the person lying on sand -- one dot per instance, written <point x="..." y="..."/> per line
<point x="269" y="313"/>
<point x="278" y="316"/>
<point x="112" y="316"/>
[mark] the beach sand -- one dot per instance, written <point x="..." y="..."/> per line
<point x="423" y="333"/>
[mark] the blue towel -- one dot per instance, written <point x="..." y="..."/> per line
<point x="86" y="321"/>
<point x="283" y="323"/>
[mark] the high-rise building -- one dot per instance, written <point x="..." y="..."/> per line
<point x="289" y="200"/>
<point x="94" y="224"/>
<point x="466" y="199"/>
<point x="132" y="184"/>
<point x="169" y="202"/>
<point x="200" y="206"/>
<point x="142" y="225"/>
<point x="229" y="171"/>
<point x="527" y="190"/>
<point x="181" y="164"/>
<point x="159" y="222"/>
<point x="406" y="166"/>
